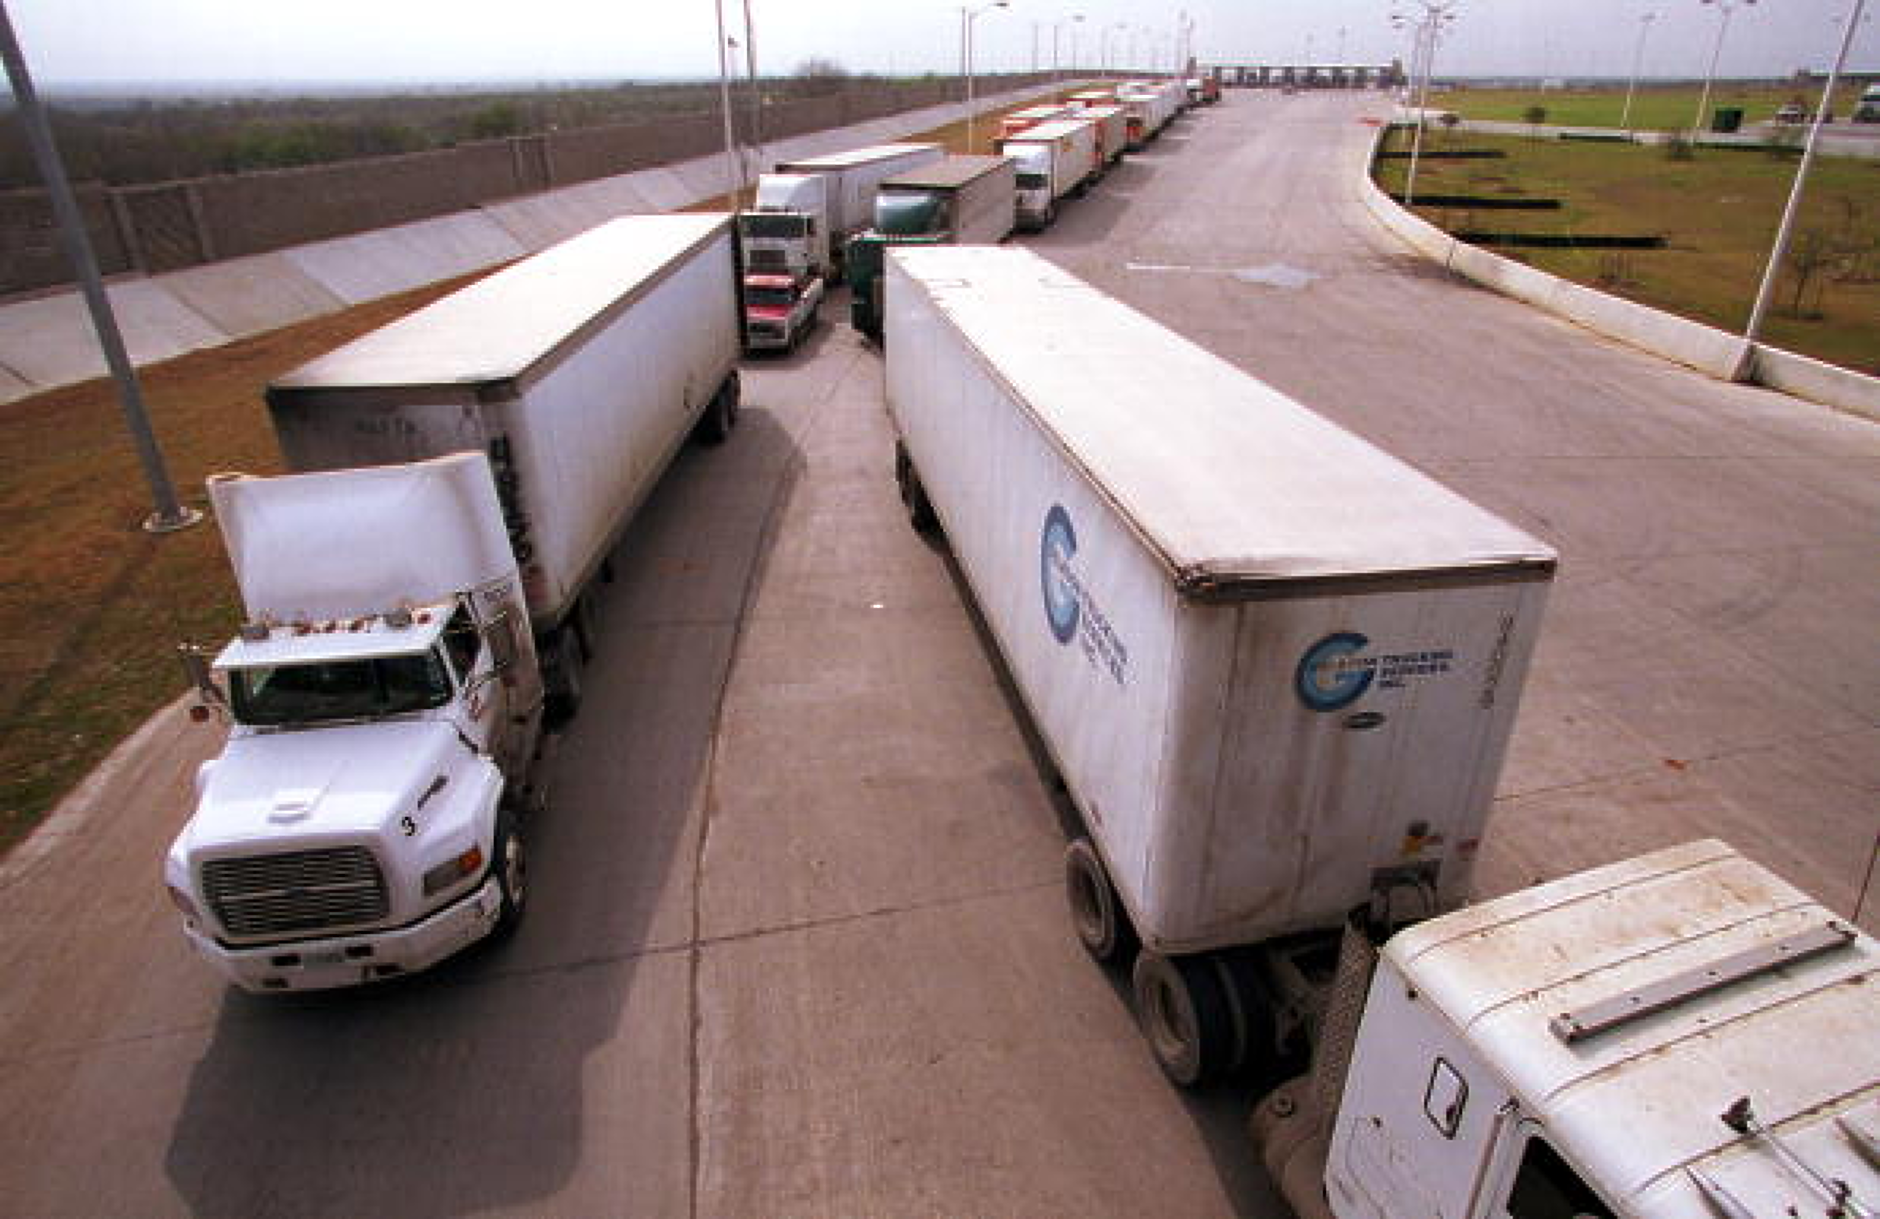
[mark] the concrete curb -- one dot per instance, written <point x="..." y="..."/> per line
<point x="48" y="341"/>
<point x="1717" y="353"/>
<point x="70" y="817"/>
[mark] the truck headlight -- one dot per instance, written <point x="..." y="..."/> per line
<point x="448" y="873"/>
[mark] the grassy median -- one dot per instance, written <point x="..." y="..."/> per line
<point x="1654" y="107"/>
<point x="1717" y="210"/>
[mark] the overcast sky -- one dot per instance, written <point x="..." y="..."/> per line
<point x="120" y="41"/>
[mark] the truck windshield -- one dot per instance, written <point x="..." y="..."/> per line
<point x="766" y="224"/>
<point x="338" y="690"/>
<point x="909" y="213"/>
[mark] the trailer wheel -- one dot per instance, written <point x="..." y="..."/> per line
<point x="920" y="513"/>
<point x="1184" y="1017"/>
<point x="587" y="627"/>
<point x="512" y="874"/>
<point x="564" y="687"/>
<point x="714" y="426"/>
<point x="1096" y="912"/>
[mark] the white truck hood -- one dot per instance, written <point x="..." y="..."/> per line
<point x="322" y="783"/>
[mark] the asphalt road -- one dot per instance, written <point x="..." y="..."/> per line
<point x="797" y="944"/>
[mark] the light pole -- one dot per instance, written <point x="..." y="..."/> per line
<point x="969" y="15"/>
<point x="757" y="100"/>
<point x="1436" y="14"/>
<point x="1781" y="248"/>
<point x="1725" y="7"/>
<point x="1103" y="45"/>
<point x="1077" y="19"/>
<point x="733" y="171"/>
<point x="1638" y="57"/>
<point x="169" y="515"/>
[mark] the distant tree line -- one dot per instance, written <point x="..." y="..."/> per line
<point x="123" y="143"/>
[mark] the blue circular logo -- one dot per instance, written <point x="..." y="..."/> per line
<point x="1061" y="608"/>
<point x="1324" y="679"/>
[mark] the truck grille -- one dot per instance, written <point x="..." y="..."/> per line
<point x="765" y="260"/>
<point x="295" y="893"/>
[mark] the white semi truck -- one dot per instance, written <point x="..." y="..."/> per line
<point x="805" y="211"/>
<point x="1276" y="668"/>
<point x="1054" y="159"/>
<point x="464" y="474"/>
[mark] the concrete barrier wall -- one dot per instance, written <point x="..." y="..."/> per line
<point x="167" y="226"/>
<point x="49" y="341"/>
<point x="1817" y="381"/>
<point x="1716" y="352"/>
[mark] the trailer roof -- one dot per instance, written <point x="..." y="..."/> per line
<point x="1234" y="485"/>
<point x="1051" y="130"/>
<point x="854" y="156"/>
<point x="950" y="172"/>
<point x="501" y="327"/>
<point x="1639" y="1102"/>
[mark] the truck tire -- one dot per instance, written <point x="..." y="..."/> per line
<point x="1102" y="925"/>
<point x="510" y="863"/>
<point x="920" y="513"/>
<point x="714" y="426"/>
<point x="564" y="694"/>
<point x="1184" y="1017"/>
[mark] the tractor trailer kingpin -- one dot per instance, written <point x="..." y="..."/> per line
<point x="465" y="473"/>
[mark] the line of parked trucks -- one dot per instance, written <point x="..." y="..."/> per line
<point x="820" y="218"/>
<point x="1275" y="669"/>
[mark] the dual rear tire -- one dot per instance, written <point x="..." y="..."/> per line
<point x="1203" y="1016"/>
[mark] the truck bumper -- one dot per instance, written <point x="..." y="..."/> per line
<point x="355" y="959"/>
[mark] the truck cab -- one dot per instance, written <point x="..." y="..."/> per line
<point x="363" y="818"/>
<point x="787" y="230"/>
<point x="1678" y="1035"/>
<point x="779" y="310"/>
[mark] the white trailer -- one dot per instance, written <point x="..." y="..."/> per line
<point x="786" y="230"/>
<point x="844" y="199"/>
<point x="364" y="817"/>
<point x="1138" y="115"/>
<point x="967" y="200"/>
<point x="1276" y="667"/>
<point x="1112" y="123"/>
<point x="1678" y="1036"/>
<point x="579" y="372"/>
<point x="1024" y="120"/>
<point x="1054" y="159"/>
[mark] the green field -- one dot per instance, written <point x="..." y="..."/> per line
<point x="1718" y="212"/>
<point x="1655" y="108"/>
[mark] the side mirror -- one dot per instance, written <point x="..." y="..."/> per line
<point x="195" y="663"/>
